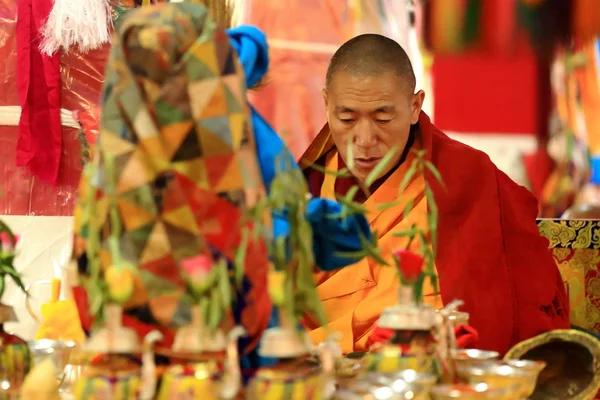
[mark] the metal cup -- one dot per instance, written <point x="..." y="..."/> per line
<point x="473" y="392"/>
<point x="59" y="351"/>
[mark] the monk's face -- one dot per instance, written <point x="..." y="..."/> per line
<point x="371" y="115"/>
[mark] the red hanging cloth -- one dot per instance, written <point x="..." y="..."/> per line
<point x="38" y="83"/>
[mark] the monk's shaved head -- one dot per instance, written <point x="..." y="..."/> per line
<point x="371" y="102"/>
<point x="372" y="55"/>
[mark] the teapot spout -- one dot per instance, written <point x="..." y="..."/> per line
<point x="232" y="380"/>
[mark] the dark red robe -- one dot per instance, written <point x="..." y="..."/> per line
<point x="490" y="252"/>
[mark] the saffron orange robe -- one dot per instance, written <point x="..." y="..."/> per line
<point x="490" y="252"/>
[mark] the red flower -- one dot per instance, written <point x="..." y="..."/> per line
<point x="409" y="264"/>
<point x="7" y="245"/>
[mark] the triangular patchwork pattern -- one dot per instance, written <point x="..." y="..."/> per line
<point x="179" y="171"/>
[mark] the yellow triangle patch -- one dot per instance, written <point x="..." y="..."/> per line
<point x="237" y="124"/>
<point x="232" y="178"/>
<point x="139" y="170"/>
<point x="112" y="144"/>
<point x="217" y="104"/>
<point x="195" y="170"/>
<point x="157" y="245"/>
<point x="182" y="218"/>
<point x="173" y="135"/>
<point x="200" y="93"/>
<point x="133" y="216"/>
<point x="200" y="50"/>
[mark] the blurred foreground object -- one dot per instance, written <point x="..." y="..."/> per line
<point x="60" y="318"/>
<point x="573" y="364"/>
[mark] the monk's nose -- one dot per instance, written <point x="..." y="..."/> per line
<point x="364" y="135"/>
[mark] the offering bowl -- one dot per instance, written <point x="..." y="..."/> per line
<point x="466" y="357"/>
<point x="459" y="318"/>
<point x="422" y="379"/>
<point x="533" y="368"/>
<point x="57" y="350"/>
<point x="498" y="375"/>
<point x="479" y="391"/>
<point x="376" y="388"/>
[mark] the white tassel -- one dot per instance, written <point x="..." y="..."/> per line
<point x="86" y="24"/>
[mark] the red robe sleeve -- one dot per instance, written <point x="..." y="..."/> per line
<point x="531" y="267"/>
<point x="491" y="254"/>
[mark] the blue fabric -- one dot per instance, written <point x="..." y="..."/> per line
<point x="332" y="233"/>
<point x="595" y="167"/>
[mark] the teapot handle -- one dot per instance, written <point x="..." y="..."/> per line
<point x="148" y="365"/>
<point x="28" y="305"/>
<point x="232" y="380"/>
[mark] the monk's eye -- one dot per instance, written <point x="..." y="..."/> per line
<point x="383" y="121"/>
<point x="347" y="120"/>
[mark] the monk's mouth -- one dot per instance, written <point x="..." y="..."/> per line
<point x="367" y="162"/>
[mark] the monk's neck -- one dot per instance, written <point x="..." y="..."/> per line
<point x="342" y="186"/>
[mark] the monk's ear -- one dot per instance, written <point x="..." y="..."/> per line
<point x="324" y="93"/>
<point x="416" y="106"/>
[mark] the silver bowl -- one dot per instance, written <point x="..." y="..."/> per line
<point x="58" y="351"/>
<point x="533" y="368"/>
<point x="469" y="357"/>
<point x="474" y="392"/>
<point x="376" y="388"/>
<point x="422" y="379"/>
<point x="497" y="374"/>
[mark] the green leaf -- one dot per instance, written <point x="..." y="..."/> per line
<point x="434" y="171"/>
<point x="408" y="208"/>
<point x="408" y="232"/>
<point x="16" y="277"/>
<point x="432" y="217"/>
<point x="409" y="175"/>
<point x="240" y="258"/>
<point x="215" y="310"/>
<point x="351" y="254"/>
<point x="343" y="173"/>
<point x="224" y="284"/>
<point x="379" y="168"/>
<point x="349" y="197"/>
<point x="388" y="205"/>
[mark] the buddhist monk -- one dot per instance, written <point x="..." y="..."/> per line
<point x="490" y="253"/>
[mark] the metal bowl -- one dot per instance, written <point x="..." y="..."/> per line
<point x="498" y="375"/>
<point x="381" y="387"/>
<point x="479" y="391"/>
<point x="58" y="351"/>
<point x="466" y="357"/>
<point x="531" y="367"/>
<point x="459" y="318"/>
<point x="422" y="379"/>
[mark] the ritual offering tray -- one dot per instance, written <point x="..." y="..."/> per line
<point x="412" y="345"/>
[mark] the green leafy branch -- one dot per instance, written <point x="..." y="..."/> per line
<point x="427" y="240"/>
<point x="215" y="297"/>
<point x="7" y="257"/>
